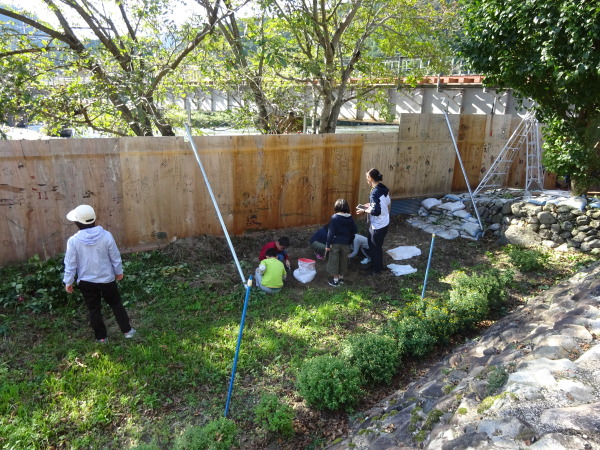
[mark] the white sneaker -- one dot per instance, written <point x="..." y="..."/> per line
<point x="130" y="333"/>
<point x="367" y="260"/>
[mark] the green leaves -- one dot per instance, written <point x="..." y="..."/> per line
<point x="108" y="71"/>
<point x="544" y="51"/>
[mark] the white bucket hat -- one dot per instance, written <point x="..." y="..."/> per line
<point x="82" y="214"/>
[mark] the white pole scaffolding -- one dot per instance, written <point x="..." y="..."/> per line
<point x="214" y="200"/>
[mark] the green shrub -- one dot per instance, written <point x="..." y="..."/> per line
<point x="440" y="322"/>
<point x="472" y="297"/>
<point x="219" y="434"/>
<point x="328" y="382"/>
<point x="527" y="260"/>
<point x="412" y="335"/>
<point x="375" y="355"/>
<point x="275" y="416"/>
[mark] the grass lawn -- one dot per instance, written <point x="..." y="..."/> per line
<point x="61" y="389"/>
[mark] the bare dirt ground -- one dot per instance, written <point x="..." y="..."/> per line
<point x="447" y="256"/>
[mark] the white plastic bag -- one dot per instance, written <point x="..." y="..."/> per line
<point x="401" y="269"/>
<point x="403" y="252"/>
<point x="306" y="270"/>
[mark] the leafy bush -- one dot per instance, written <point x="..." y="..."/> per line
<point x="473" y="297"/>
<point x="412" y="335"/>
<point x="328" y="382"/>
<point x="440" y="321"/>
<point x="275" y="416"/>
<point x="219" y="434"/>
<point x="527" y="260"/>
<point x="36" y="285"/>
<point x="375" y="355"/>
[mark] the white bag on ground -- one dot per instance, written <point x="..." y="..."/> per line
<point x="399" y="270"/>
<point x="404" y="252"/>
<point x="306" y="270"/>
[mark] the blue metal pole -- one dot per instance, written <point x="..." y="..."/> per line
<point x="237" y="348"/>
<point x="428" y="263"/>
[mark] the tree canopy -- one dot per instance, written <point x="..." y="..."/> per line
<point x="110" y="65"/>
<point x="105" y="65"/>
<point x="548" y="51"/>
<point x="337" y="47"/>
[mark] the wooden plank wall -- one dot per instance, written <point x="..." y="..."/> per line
<point x="149" y="191"/>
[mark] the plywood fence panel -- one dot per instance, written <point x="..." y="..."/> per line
<point x="87" y="171"/>
<point x="24" y="181"/>
<point x="381" y="151"/>
<point x="149" y="191"/>
<point x="42" y="180"/>
<point x="341" y="170"/>
<point x="427" y="157"/>
<point x="470" y="141"/>
<point x="166" y="195"/>
<point x="218" y="159"/>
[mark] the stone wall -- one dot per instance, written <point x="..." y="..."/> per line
<point x="552" y="219"/>
<point x="568" y="223"/>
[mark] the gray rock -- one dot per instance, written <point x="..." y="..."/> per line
<point x="576" y="390"/>
<point x="592" y="355"/>
<point x="546" y="218"/>
<point x="555" y="441"/>
<point x="567" y="226"/>
<point x="556" y="347"/>
<point x="585" y="418"/>
<point x="578" y="332"/>
<point x="545" y="364"/>
<point x="540" y="378"/>
<point x="511" y="427"/>
<point x="522" y="236"/>
<point x="591" y="244"/>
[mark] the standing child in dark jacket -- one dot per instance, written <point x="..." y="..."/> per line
<point x="378" y="210"/>
<point x="340" y="237"/>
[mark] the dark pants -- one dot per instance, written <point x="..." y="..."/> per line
<point x="92" y="295"/>
<point x="376" y="238"/>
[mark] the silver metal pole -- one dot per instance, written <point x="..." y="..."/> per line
<point x="214" y="200"/>
<point x="463" y="171"/>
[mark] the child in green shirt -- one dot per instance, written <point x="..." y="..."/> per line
<point x="270" y="273"/>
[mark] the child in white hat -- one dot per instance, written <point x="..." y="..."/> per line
<point x="93" y="255"/>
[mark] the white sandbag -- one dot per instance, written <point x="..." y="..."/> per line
<point x="398" y="270"/>
<point x="448" y="233"/>
<point x="471" y="228"/>
<point x="429" y="203"/>
<point x="452" y="197"/>
<point x="461" y="214"/>
<point x="306" y="270"/>
<point x="403" y="252"/>
<point x="536" y="201"/>
<point x="452" y="206"/>
<point x="575" y="203"/>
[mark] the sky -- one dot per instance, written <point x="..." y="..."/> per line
<point x="180" y="13"/>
